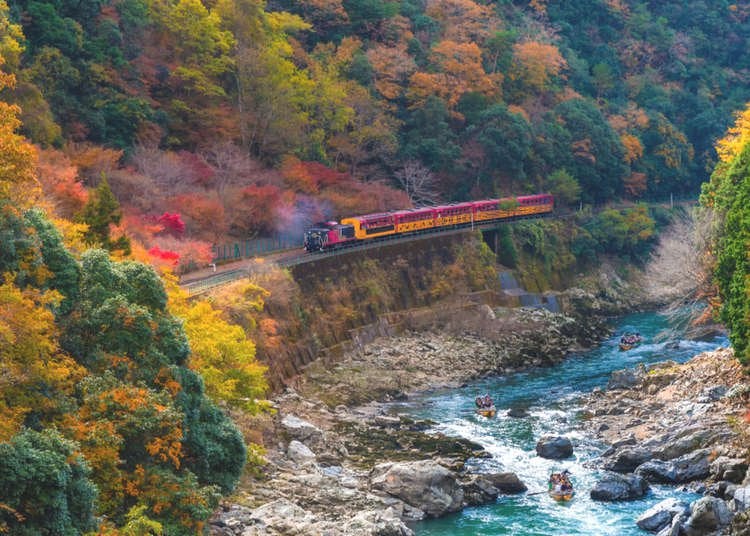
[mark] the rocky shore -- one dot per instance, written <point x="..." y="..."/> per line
<point x="681" y="425"/>
<point x="339" y="464"/>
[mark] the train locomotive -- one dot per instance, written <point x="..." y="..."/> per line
<point x="331" y="235"/>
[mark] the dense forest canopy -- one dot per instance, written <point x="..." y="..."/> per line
<point x="252" y="117"/>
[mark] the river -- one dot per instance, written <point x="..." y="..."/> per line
<point x="552" y="398"/>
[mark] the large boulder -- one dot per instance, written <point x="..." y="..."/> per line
<point x="478" y="490"/>
<point x="729" y="469"/>
<point x="301" y="430"/>
<point x="554" y="447"/>
<point x="627" y="459"/>
<point x="616" y="487"/>
<point x="683" y="441"/>
<point x="507" y="483"/>
<point x="708" y="514"/>
<point x="692" y="466"/>
<point x="740" y="499"/>
<point x="625" y="378"/>
<point x="660" y="515"/>
<point x="281" y="516"/>
<point x="377" y="523"/>
<point x="675" y="527"/>
<point x="424" y="484"/>
<point x="299" y="453"/>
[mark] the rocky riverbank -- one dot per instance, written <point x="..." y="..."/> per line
<point x="339" y="464"/>
<point x="682" y="425"/>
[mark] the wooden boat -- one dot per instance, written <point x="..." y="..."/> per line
<point x="561" y="495"/>
<point x="487" y="412"/>
<point x="625" y="347"/>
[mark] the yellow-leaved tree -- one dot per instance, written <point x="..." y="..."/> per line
<point x="37" y="377"/>
<point x="219" y="351"/>
<point x="17" y="175"/>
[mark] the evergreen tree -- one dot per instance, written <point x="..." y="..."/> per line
<point x="44" y="486"/>
<point x="100" y="212"/>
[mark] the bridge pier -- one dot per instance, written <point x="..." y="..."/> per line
<point x="489" y="236"/>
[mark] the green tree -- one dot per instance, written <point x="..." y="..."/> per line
<point x="101" y="211"/>
<point x="564" y="186"/>
<point x="623" y="232"/>
<point x="366" y="16"/>
<point x="429" y="138"/>
<point x="44" y="486"/>
<point x="32" y="249"/>
<point x="588" y="148"/>
<point x="121" y="310"/>
<point x="506" y="140"/>
<point x="121" y="324"/>
<point x="732" y="271"/>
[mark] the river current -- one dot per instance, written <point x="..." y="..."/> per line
<point x="552" y="399"/>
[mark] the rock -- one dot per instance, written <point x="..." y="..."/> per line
<point x="708" y="514"/>
<point x="625" y="378"/>
<point x="739" y="391"/>
<point x="554" y="447"/>
<point x="675" y="528"/>
<point x="299" y="453"/>
<point x="740" y="499"/>
<point x="627" y="459"/>
<point x="233" y="518"/>
<point x="692" y="466"/>
<point x="387" y="421"/>
<point x="507" y="483"/>
<point x="517" y="413"/>
<point x="712" y="393"/>
<point x="685" y="440"/>
<point x="478" y="490"/>
<point x="660" y="515"/>
<point x="280" y="515"/>
<point x="377" y="523"/>
<point x="616" y="487"/>
<point x="423" y="484"/>
<point x="729" y="469"/>
<point x="300" y="429"/>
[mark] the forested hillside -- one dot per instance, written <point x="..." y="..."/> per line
<point x="134" y="134"/>
<point x="244" y="117"/>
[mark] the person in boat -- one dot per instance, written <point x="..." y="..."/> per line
<point x="630" y="338"/>
<point x="560" y="482"/>
<point x="484" y="402"/>
<point x="565" y="484"/>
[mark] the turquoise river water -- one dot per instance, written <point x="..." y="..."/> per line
<point x="552" y="398"/>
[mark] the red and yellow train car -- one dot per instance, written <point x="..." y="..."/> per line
<point x="357" y="228"/>
<point x="419" y="219"/>
<point x="372" y="225"/>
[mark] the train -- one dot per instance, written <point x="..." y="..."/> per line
<point x="356" y="229"/>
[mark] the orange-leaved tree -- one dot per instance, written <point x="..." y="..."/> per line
<point x="459" y="70"/>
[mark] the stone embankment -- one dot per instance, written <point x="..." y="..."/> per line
<point x="682" y="425"/>
<point x="339" y="464"/>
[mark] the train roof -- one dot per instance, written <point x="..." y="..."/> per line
<point x="373" y="216"/>
<point x="463" y="204"/>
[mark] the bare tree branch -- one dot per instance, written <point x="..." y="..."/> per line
<point x="418" y="182"/>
